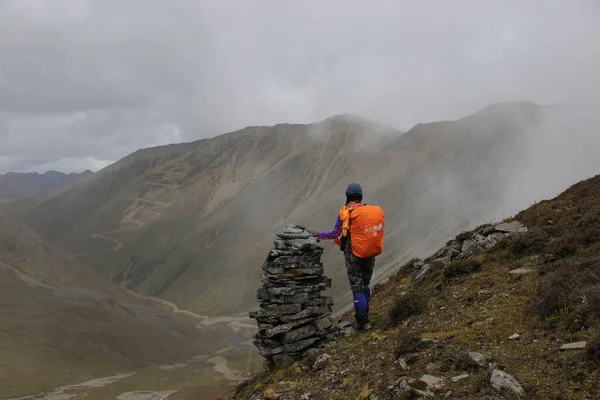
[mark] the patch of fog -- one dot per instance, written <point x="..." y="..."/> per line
<point x="371" y="136"/>
<point x="560" y="152"/>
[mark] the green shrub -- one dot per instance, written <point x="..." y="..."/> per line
<point x="453" y="358"/>
<point x="409" y="343"/>
<point x="461" y="267"/>
<point x="405" y="307"/>
<point x="593" y="351"/>
<point x="570" y="289"/>
<point x="531" y="243"/>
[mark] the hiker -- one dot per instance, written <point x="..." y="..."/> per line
<point x="361" y="230"/>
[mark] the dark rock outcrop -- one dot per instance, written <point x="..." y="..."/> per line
<point x="465" y="245"/>
<point x="294" y="316"/>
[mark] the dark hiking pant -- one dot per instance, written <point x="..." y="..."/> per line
<point x="360" y="271"/>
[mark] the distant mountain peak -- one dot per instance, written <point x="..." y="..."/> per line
<point x="366" y="124"/>
<point x="14" y="185"/>
<point x="350" y="118"/>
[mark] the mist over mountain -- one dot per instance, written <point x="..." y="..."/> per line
<point x="192" y="222"/>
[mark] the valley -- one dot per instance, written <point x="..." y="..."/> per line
<point x="209" y="374"/>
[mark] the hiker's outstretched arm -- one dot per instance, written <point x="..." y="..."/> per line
<point x="337" y="230"/>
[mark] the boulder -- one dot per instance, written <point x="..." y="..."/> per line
<point x="432" y="382"/>
<point x="511" y="227"/>
<point x="442" y="252"/>
<point x="501" y="381"/>
<point x="479" y="358"/>
<point x="322" y="361"/>
<point x="445" y="260"/>
<point x="468" y="246"/>
<point x="480" y="239"/>
<point x="497" y="236"/>
<point x="421" y="273"/>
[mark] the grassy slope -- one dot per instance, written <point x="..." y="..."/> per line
<point x="557" y="304"/>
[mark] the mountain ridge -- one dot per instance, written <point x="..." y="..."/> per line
<point x="14" y="185"/>
<point x="196" y="217"/>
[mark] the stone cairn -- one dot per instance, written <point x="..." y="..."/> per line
<point x="294" y="316"/>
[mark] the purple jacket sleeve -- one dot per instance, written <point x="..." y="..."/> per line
<point x="337" y="230"/>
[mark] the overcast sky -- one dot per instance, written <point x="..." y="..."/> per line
<point x="85" y="82"/>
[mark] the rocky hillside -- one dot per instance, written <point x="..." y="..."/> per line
<point x="19" y="185"/>
<point x="62" y="324"/>
<point x="508" y="310"/>
<point x="191" y="223"/>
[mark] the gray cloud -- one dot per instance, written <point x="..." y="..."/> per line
<point x="83" y="82"/>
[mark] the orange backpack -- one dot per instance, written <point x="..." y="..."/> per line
<point x="366" y="231"/>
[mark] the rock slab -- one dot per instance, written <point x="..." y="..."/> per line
<point x="478" y="358"/>
<point x="500" y="381"/>
<point x="432" y="382"/>
<point x="459" y="378"/>
<point x="520" y="271"/>
<point x="514" y="336"/>
<point x="574" y="346"/>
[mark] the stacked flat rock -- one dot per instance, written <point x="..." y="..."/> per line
<point x="294" y="316"/>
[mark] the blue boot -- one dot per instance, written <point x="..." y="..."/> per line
<point x="361" y="305"/>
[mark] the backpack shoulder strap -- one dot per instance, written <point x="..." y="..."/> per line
<point x="345" y="218"/>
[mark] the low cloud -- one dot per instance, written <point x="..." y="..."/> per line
<point x="96" y="79"/>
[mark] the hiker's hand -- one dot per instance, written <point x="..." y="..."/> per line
<point x="312" y="232"/>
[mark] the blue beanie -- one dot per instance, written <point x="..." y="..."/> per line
<point x="354" y="189"/>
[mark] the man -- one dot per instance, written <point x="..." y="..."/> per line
<point x="361" y="230"/>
